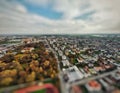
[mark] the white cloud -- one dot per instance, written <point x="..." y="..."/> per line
<point x="21" y="8"/>
<point x="14" y="17"/>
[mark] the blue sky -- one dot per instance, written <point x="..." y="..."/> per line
<point x="59" y="16"/>
<point x="40" y="10"/>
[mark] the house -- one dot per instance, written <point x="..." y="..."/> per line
<point x="94" y="86"/>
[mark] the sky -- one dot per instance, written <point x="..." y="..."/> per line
<point x="59" y="16"/>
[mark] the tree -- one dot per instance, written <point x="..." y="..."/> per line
<point x="7" y="58"/>
<point x="6" y="81"/>
<point x="30" y="77"/>
<point x="26" y="59"/>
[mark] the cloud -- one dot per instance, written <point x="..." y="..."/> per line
<point x="102" y="17"/>
<point x="21" y="8"/>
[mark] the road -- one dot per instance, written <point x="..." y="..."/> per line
<point x="93" y="77"/>
<point x="62" y="84"/>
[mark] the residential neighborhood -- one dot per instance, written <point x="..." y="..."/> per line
<point x="81" y="64"/>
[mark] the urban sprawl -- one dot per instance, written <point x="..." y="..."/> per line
<point x="60" y="64"/>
